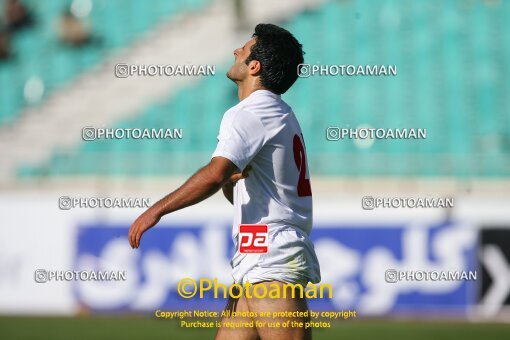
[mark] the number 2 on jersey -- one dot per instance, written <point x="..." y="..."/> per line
<point x="303" y="188"/>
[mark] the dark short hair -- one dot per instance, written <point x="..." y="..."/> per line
<point x="279" y="54"/>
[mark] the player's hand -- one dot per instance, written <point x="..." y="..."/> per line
<point x="240" y="175"/>
<point x="143" y="223"/>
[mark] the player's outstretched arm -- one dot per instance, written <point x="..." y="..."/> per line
<point x="204" y="183"/>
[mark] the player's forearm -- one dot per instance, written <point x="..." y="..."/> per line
<point x="203" y="184"/>
<point x="228" y="191"/>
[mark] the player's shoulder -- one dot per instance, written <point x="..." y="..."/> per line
<point x="250" y="106"/>
<point x="240" y="116"/>
<point x="235" y="112"/>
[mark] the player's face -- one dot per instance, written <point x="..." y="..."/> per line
<point x="239" y="71"/>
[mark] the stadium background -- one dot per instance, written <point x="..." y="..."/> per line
<point x="452" y="59"/>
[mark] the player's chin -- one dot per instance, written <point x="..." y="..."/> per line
<point x="232" y="75"/>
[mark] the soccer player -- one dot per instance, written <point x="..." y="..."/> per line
<point x="260" y="163"/>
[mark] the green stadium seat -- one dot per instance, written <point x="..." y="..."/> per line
<point x="451" y="81"/>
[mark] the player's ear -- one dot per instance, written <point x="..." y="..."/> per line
<point x="254" y="68"/>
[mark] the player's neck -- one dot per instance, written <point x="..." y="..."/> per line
<point x="244" y="90"/>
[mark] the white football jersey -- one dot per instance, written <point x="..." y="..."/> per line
<point x="263" y="132"/>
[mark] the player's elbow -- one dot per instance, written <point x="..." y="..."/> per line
<point x="219" y="171"/>
<point x="216" y="177"/>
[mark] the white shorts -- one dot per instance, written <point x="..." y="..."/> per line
<point x="290" y="258"/>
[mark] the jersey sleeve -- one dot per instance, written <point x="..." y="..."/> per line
<point x="240" y="139"/>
